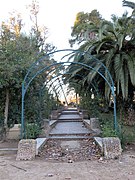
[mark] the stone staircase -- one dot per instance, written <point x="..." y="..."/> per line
<point x="70" y="126"/>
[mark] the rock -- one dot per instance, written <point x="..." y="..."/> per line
<point x="101" y="159"/>
<point x="26" y="149"/>
<point x="111" y="147"/>
<point x="70" y="161"/>
<point x="50" y="175"/>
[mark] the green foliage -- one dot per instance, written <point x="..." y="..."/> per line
<point x="33" y="130"/>
<point x="108" y="130"/>
<point x="113" y="44"/>
<point x="129" y="4"/>
<point x="126" y="127"/>
<point x="107" y="125"/>
<point x="84" y="24"/>
<point x="125" y="133"/>
<point x="127" y="138"/>
<point x="89" y="104"/>
<point x="48" y="103"/>
<point x="18" y="52"/>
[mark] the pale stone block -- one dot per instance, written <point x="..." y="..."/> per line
<point x="94" y="123"/>
<point x="26" y="149"/>
<point x="111" y="147"/>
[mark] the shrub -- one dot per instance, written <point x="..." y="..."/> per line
<point x="33" y="130"/>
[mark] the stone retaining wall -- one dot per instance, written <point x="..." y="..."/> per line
<point x="14" y="132"/>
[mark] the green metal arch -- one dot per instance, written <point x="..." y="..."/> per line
<point x="60" y="74"/>
<point x="28" y="79"/>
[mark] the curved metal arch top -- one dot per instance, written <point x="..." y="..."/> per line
<point x="37" y="66"/>
<point x="37" y="69"/>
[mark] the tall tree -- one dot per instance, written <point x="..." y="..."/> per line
<point x="18" y="52"/>
<point x="38" y="32"/>
<point x="114" y="46"/>
<point x="84" y="27"/>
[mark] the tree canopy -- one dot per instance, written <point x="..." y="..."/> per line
<point x="113" y="43"/>
<point x="18" y="51"/>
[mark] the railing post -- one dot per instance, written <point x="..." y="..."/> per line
<point x="22" y="114"/>
<point x="114" y="106"/>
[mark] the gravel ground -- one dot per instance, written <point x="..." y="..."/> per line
<point x="38" y="169"/>
<point x="94" y="169"/>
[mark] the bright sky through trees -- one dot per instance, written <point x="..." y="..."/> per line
<point x="59" y="15"/>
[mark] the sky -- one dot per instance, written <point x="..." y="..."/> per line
<point x="59" y="15"/>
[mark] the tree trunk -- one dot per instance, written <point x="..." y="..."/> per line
<point x="6" y="115"/>
<point x="76" y="100"/>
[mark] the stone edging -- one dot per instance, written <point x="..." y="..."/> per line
<point x="40" y="142"/>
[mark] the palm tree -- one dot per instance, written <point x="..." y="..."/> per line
<point x="114" y="46"/>
<point x="129" y="4"/>
<point x="132" y="6"/>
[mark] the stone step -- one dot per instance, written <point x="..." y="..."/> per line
<point x="72" y="134"/>
<point x="69" y="112"/>
<point x="69" y="120"/>
<point x="70" y="116"/>
<point x="5" y="151"/>
<point x="70" y="128"/>
<point x="70" y="138"/>
<point x="70" y="109"/>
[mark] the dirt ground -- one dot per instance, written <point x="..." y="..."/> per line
<point x="38" y="169"/>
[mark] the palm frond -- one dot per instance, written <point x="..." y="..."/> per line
<point x="129" y="4"/>
<point x="124" y="82"/>
<point x="97" y="69"/>
<point x="131" y="67"/>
